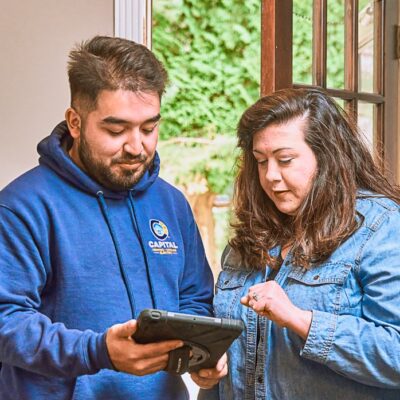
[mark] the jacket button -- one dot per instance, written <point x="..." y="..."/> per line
<point x="316" y="277"/>
<point x="260" y="379"/>
<point x="226" y="282"/>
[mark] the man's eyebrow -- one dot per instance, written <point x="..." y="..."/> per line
<point x="156" y="118"/>
<point x="115" y="120"/>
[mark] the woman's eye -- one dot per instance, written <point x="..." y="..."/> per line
<point x="285" y="160"/>
<point x="261" y="162"/>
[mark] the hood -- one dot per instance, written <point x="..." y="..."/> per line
<point x="52" y="154"/>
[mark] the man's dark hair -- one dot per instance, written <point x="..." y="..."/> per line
<point x="109" y="63"/>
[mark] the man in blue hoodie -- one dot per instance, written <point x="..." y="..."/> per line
<point x="91" y="237"/>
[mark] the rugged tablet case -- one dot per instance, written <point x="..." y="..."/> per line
<point x="207" y="337"/>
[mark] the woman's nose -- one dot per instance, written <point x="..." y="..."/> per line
<point x="273" y="173"/>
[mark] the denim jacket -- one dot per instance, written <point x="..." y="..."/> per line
<point x="353" y="346"/>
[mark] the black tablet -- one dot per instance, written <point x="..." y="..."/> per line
<point x="206" y="339"/>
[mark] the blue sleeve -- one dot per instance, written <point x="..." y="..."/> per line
<point x="29" y="339"/>
<point x="196" y="286"/>
<point x="366" y="348"/>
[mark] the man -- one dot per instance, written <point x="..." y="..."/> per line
<point x="91" y="237"/>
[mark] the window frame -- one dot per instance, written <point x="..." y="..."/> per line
<point x="132" y="20"/>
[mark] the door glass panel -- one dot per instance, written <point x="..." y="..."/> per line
<point x="339" y="101"/>
<point x="302" y="41"/>
<point x="366" y="46"/>
<point x="335" y="44"/>
<point x="366" y="122"/>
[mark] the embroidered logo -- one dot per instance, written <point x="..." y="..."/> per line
<point x="160" y="231"/>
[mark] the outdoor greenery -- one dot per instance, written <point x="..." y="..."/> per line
<point x="211" y="49"/>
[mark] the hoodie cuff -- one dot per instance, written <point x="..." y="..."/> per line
<point x="97" y="353"/>
<point x="320" y="337"/>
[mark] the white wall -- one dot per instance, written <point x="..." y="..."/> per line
<point x="36" y="36"/>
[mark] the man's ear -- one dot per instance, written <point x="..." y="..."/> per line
<point x="74" y="122"/>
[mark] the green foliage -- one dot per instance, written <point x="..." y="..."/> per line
<point x="211" y="49"/>
<point x="335" y="44"/>
<point x="363" y="3"/>
<point x="199" y="165"/>
<point x="302" y="41"/>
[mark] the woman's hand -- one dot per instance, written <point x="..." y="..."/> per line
<point x="270" y="300"/>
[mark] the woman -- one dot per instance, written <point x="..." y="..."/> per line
<point x="313" y="268"/>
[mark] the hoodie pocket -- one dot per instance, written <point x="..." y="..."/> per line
<point x="319" y="288"/>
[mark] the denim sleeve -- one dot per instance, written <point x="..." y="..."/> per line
<point x="366" y="349"/>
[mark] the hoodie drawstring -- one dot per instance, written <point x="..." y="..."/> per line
<point x="103" y="206"/>
<point x="149" y="279"/>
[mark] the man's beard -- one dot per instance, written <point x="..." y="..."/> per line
<point x="124" y="179"/>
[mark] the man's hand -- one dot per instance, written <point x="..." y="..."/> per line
<point x="207" y="378"/>
<point x="137" y="359"/>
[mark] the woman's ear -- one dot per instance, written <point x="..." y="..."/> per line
<point x="74" y="122"/>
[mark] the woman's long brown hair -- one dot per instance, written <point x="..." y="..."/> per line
<point x="327" y="215"/>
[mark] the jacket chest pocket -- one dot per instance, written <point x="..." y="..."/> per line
<point x="228" y="291"/>
<point x="319" y="288"/>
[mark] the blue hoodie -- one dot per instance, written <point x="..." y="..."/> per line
<point x="75" y="259"/>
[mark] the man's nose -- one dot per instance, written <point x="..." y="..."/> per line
<point x="133" y="144"/>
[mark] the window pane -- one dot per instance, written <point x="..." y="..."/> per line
<point x="366" y="46"/>
<point x="302" y="41"/>
<point x="366" y="122"/>
<point x="335" y="44"/>
<point x="339" y="101"/>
